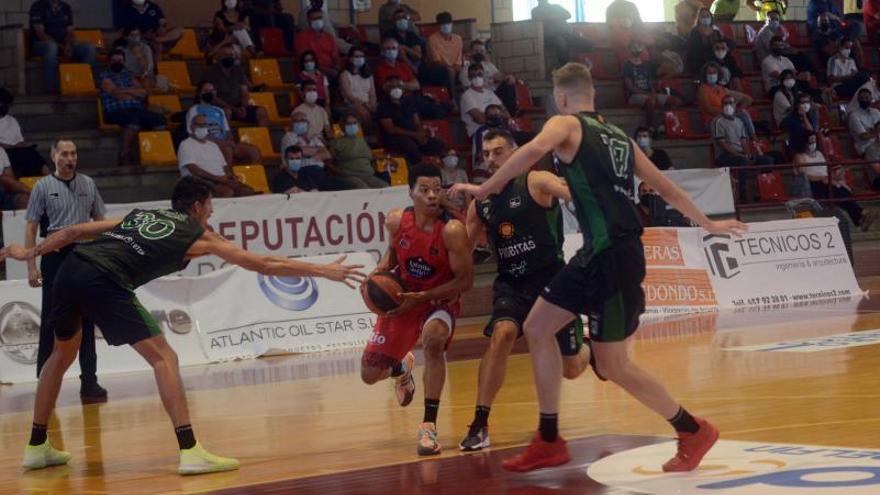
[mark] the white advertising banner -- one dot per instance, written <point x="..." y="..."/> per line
<point x="305" y="224"/>
<point x="228" y="314"/>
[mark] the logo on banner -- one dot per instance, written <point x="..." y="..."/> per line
<point x="20" y="331"/>
<point x="290" y="293"/>
<point x="717" y="255"/>
<point x="662" y="247"/>
<point x="746" y="468"/>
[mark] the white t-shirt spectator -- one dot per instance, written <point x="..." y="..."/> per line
<point x="815" y="170"/>
<point x="781" y="107"/>
<point x="774" y="64"/>
<point x="861" y="121"/>
<point x="218" y="125"/>
<point x="473" y="99"/>
<point x="838" y="67"/>
<point x="360" y="86"/>
<point x="206" y="155"/>
<point x="293" y="139"/>
<point x="318" y="119"/>
<point x="10" y="131"/>
<point x="4" y="161"/>
<point x="489" y="71"/>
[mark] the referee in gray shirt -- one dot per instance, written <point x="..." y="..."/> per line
<point x="60" y="200"/>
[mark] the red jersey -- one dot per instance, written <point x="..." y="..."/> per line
<point x="422" y="259"/>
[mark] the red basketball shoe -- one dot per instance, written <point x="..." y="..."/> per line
<point x="692" y="447"/>
<point x="539" y="454"/>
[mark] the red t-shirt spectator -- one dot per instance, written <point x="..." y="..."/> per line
<point x="870" y="8"/>
<point x="322" y="43"/>
<point x="386" y="70"/>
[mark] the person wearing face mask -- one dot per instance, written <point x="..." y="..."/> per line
<point x="863" y="127"/>
<point x="445" y="52"/>
<point x="503" y="85"/>
<point x="148" y="18"/>
<point x="24" y="159"/>
<point x="497" y="119"/>
<point x="843" y="76"/>
<point x="640" y="83"/>
<point x="387" y="12"/>
<point x="231" y="27"/>
<point x="52" y="34"/>
<point x="310" y="73"/>
<point x="725" y="10"/>
<point x="765" y="45"/>
<point x="411" y="46"/>
<point x="353" y="158"/>
<point x="200" y="157"/>
<point x="317" y="115"/>
<point x="316" y="158"/>
<point x="710" y="96"/>
<point x="733" y="145"/>
<point x="402" y="127"/>
<point x="218" y="127"/>
<point x="773" y="65"/>
<point x="731" y="75"/>
<point x="451" y="172"/>
<point x="701" y="40"/>
<point x="475" y="100"/>
<point x="644" y="139"/>
<point x="138" y="55"/>
<point x="763" y="8"/>
<point x="288" y="180"/>
<point x="321" y="43"/>
<point x="233" y="88"/>
<point x="358" y="88"/>
<point x="803" y="118"/>
<point x="123" y="97"/>
<point x="785" y="97"/>
<point x="392" y="65"/>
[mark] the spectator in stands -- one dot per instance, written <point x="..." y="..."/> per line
<point x="148" y="17"/>
<point x="844" y="77"/>
<point x="353" y="157"/>
<point x="412" y="46"/>
<point x="445" y="53"/>
<point x="232" y="26"/>
<point x="785" y="97"/>
<point x="503" y="85"/>
<point x="701" y="41"/>
<point x="828" y="35"/>
<point x="640" y="83"/>
<point x="725" y="10"/>
<point x="765" y="40"/>
<point x="321" y="43"/>
<point x="475" y="100"/>
<point x="852" y="15"/>
<point x="392" y="64"/>
<point x="24" y="158"/>
<point x="218" y="127"/>
<point x="138" y="57"/>
<point x="733" y="144"/>
<point x="52" y="34"/>
<point x="802" y="119"/>
<point x="497" y="119"/>
<point x="388" y="12"/>
<point x="402" y="126"/>
<point x="686" y="16"/>
<point x="329" y="24"/>
<point x="309" y="73"/>
<point x="655" y="212"/>
<point x="318" y="117"/>
<point x="819" y="10"/>
<point x="773" y="65"/>
<point x="810" y="162"/>
<point x="316" y="157"/>
<point x="123" y="97"/>
<point x="763" y="8"/>
<point x="233" y="89"/>
<point x="14" y="195"/>
<point x="270" y="14"/>
<point x="863" y="126"/>
<point x="558" y="35"/>
<point x="452" y="173"/>
<point x="871" y="13"/>
<point x="358" y="89"/>
<point x="731" y="75"/>
<point x="644" y="137"/>
<point x="201" y="158"/>
<point x="710" y="98"/>
<point x="622" y="14"/>
<point x="288" y="180"/>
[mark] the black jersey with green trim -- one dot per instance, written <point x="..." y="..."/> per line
<point x="146" y="245"/>
<point x="525" y="236"/>
<point x="601" y="181"/>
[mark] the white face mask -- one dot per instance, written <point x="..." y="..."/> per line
<point x="811" y="148"/>
<point x="396" y="93"/>
<point x="788" y="83"/>
<point x="845" y="51"/>
<point x="317" y="24"/>
<point x="478" y="82"/>
<point x="644" y="142"/>
<point x="230" y="4"/>
<point x="200" y="133"/>
<point x="311" y="97"/>
<point x="729" y="110"/>
<point x="720" y="54"/>
<point x="450" y="161"/>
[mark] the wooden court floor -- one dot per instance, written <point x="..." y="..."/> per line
<point x="306" y="424"/>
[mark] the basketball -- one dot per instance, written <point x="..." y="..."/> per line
<point x="380" y="292"/>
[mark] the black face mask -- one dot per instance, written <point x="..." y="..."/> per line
<point x="824" y="26"/>
<point x="478" y="58"/>
<point x="207" y="97"/>
<point x="227" y="62"/>
<point x="776" y="51"/>
<point x="4" y="109"/>
<point x="117" y="66"/>
<point x="645" y="200"/>
<point x="864" y="104"/>
<point x="495" y="121"/>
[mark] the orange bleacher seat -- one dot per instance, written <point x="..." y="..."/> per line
<point x="177" y="74"/>
<point x="524" y="102"/>
<point x="93" y="36"/>
<point x="678" y="126"/>
<point x="102" y="125"/>
<point x="398" y="170"/>
<point x="272" y="41"/>
<point x="259" y="137"/>
<point x="771" y="188"/>
<point x="168" y="103"/>
<point x="267" y="101"/>
<point x="351" y="34"/>
<point x="157" y="149"/>
<point x="523" y="124"/>
<point x="253" y="176"/>
<point x="266" y="71"/>
<point x="439" y="93"/>
<point x="187" y="46"/>
<point x="77" y="80"/>
<point x="29" y="182"/>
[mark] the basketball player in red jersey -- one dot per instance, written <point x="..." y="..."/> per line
<point x="431" y="252"/>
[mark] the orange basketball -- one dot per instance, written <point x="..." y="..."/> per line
<point x="380" y="292"/>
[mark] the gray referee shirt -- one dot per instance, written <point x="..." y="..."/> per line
<point x="65" y="203"/>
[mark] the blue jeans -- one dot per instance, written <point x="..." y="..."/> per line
<point x="83" y="52"/>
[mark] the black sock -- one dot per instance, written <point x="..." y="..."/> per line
<point x="431" y="407"/>
<point x="481" y="419"/>
<point x="684" y="422"/>
<point x="38" y="434"/>
<point x="549" y="427"/>
<point x="398" y="369"/>
<point x="186" y="439"/>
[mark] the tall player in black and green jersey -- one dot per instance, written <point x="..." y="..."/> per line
<point x="99" y="282"/>
<point x="604" y="278"/>
<point x="524" y="226"/>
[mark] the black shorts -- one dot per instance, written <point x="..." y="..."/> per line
<point x="608" y="290"/>
<point x="513" y="299"/>
<point x="82" y="289"/>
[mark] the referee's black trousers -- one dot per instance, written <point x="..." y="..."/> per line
<point x="88" y="359"/>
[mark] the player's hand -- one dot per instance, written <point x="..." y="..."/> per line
<point x="347" y="274"/>
<point x="19" y="253"/>
<point x="409" y="299"/>
<point x="459" y="189"/>
<point x="720" y="227"/>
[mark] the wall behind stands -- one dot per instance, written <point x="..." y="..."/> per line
<point x="481" y="10"/>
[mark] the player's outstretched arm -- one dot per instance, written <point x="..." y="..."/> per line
<point x="212" y="243"/>
<point x="475" y="227"/>
<point x="58" y="240"/>
<point x="461" y="261"/>
<point x="679" y="199"/>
